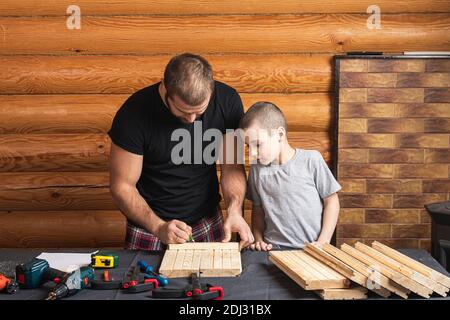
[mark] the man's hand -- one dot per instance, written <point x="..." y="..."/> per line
<point x="174" y="231"/>
<point x="236" y="223"/>
<point x="261" y="246"/>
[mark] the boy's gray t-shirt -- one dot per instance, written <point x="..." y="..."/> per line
<point x="291" y="195"/>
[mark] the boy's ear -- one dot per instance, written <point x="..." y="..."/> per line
<point x="281" y="132"/>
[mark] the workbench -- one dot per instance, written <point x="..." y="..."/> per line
<point x="260" y="279"/>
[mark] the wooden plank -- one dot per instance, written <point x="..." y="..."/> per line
<point x="406" y="271"/>
<point x="167" y="263"/>
<point x="297" y="264"/>
<point x="229" y="33"/>
<point x="378" y="279"/>
<point x="62" y="229"/>
<point x="249" y="73"/>
<point x="309" y="275"/>
<point x="204" y="246"/>
<point x="93" y="113"/>
<point x="236" y="264"/>
<point x="301" y="281"/>
<point x="343" y="268"/>
<point x="213" y="259"/>
<point x="177" y="268"/>
<point x="207" y="262"/>
<point x="388" y="272"/>
<point x="413" y="264"/>
<point x="176" y="7"/>
<point x="187" y="261"/>
<point x="197" y="258"/>
<point x="328" y="272"/>
<point x="358" y="293"/>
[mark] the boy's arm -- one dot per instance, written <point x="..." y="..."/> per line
<point x="258" y="228"/>
<point x="330" y="218"/>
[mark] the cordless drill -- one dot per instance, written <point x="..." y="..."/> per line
<point x="72" y="283"/>
<point x="36" y="272"/>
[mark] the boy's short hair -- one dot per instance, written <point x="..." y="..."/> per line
<point x="267" y="114"/>
<point x="190" y="77"/>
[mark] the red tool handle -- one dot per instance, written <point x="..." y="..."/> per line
<point x="220" y="290"/>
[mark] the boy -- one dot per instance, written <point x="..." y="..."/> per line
<point x="293" y="191"/>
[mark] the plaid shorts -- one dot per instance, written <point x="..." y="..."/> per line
<point x="209" y="229"/>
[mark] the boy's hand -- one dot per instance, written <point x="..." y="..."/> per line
<point x="260" y="246"/>
<point x="319" y="243"/>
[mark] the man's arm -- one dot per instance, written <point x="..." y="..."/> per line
<point x="125" y="170"/>
<point x="330" y="218"/>
<point x="233" y="182"/>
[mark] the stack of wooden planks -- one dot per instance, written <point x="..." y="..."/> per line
<point x="377" y="268"/>
<point x="207" y="259"/>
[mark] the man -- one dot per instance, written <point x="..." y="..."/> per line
<point x="166" y="201"/>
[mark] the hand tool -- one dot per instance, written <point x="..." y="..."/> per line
<point x="34" y="273"/>
<point x="195" y="291"/>
<point x="150" y="273"/>
<point x="104" y="259"/>
<point x="191" y="239"/>
<point x="8" y="285"/>
<point x="106" y="283"/>
<point x="132" y="284"/>
<point x="72" y="283"/>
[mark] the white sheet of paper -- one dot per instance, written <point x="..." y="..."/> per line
<point x="66" y="262"/>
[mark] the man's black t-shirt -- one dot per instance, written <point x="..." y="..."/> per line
<point x="144" y="125"/>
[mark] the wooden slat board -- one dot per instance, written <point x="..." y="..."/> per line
<point x="357" y="293"/>
<point x="309" y="273"/>
<point x="207" y="259"/>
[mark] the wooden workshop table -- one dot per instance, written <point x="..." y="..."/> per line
<point x="260" y="279"/>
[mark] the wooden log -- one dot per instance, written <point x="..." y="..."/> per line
<point x="388" y="272"/>
<point x="55" y="191"/>
<point x="54" y="152"/>
<point x="230" y="33"/>
<point x="148" y="7"/>
<point x="249" y="73"/>
<point x="61" y="229"/>
<point x="413" y="264"/>
<point x="90" y="152"/>
<point x="32" y="114"/>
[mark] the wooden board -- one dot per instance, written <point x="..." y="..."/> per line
<point x="357" y="293"/>
<point x="344" y="269"/>
<point x="377" y="279"/>
<point x="306" y="271"/>
<point x="388" y="272"/>
<point x="207" y="259"/>
<point x="404" y="270"/>
<point x="413" y="264"/>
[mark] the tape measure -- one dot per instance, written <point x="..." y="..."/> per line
<point x="104" y="260"/>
